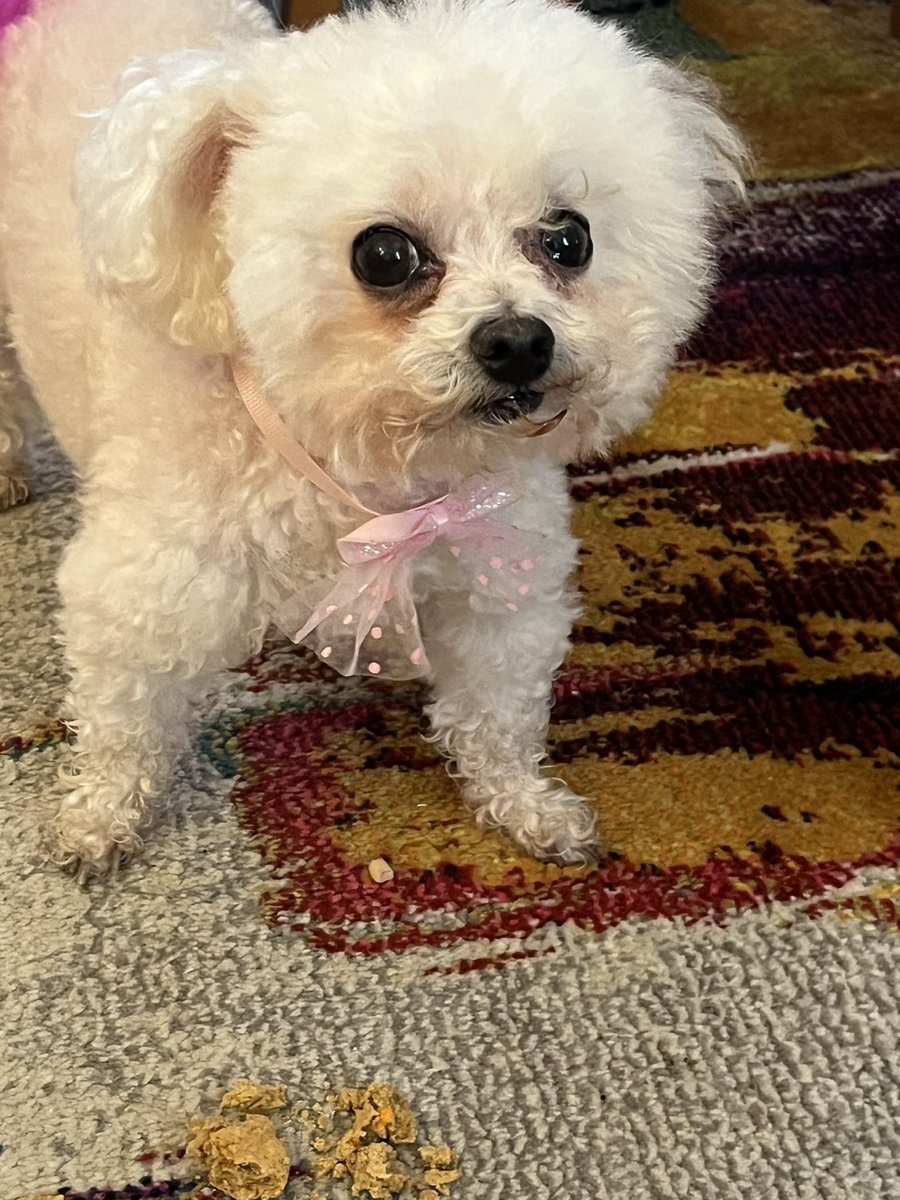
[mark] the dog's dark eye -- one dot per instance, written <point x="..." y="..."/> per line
<point x="567" y="241"/>
<point x="384" y="257"/>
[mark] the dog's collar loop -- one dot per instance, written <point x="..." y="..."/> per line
<point x="277" y="434"/>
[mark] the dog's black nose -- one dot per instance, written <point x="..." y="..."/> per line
<point x="513" y="349"/>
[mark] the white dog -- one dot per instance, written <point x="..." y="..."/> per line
<point x="413" y="236"/>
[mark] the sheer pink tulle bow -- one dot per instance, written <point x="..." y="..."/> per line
<point x="368" y="624"/>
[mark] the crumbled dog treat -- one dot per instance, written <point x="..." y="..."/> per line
<point x="363" y="1139"/>
<point x="437" y="1156"/>
<point x="255" y="1097"/>
<point x="200" y="1131"/>
<point x="245" y="1160"/>
<point x="441" y="1164"/>
<point x="381" y="870"/>
<point x="441" y="1179"/>
<point x="381" y="1109"/>
<point x="376" y="1169"/>
<point x="371" y="1142"/>
<point x="325" y="1166"/>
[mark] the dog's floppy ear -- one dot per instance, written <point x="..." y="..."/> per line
<point x="722" y="158"/>
<point x="147" y="185"/>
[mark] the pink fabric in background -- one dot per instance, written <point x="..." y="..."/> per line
<point x="10" y="12"/>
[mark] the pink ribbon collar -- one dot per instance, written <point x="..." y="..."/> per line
<point x="367" y="623"/>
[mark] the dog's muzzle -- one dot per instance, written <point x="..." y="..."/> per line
<point x="517" y="351"/>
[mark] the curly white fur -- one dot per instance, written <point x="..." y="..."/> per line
<point x="221" y="171"/>
<point x="15" y="410"/>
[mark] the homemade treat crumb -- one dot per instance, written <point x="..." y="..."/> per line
<point x="441" y="1179"/>
<point x="382" y="1109"/>
<point x="367" y="1136"/>
<point x="245" y="1160"/>
<point x="200" y="1130"/>
<point x="363" y="1143"/>
<point x="255" y="1097"/>
<point x="381" y="870"/>
<point x="326" y="1166"/>
<point x="442" y="1170"/>
<point x="376" y="1169"/>
<point x="437" y="1156"/>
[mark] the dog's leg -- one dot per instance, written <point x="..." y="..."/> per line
<point x="131" y="724"/>
<point x="144" y="619"/>
<point x="492" y="677"/>
<point x="14" y="401"/>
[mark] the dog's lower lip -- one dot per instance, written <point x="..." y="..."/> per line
<point x="506" y="409"/>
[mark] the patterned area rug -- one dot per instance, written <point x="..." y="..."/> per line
<point x="713" y="1012"/>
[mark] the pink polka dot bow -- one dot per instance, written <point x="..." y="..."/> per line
<point x="367" y="624"/>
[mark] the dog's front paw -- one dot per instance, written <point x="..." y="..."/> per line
<point x="88" y="839"/>
<point x="84" y="870"/>
<point x="546" y="819"/>
<point x="562" y="831"/>
<point x="571" y="850"/>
